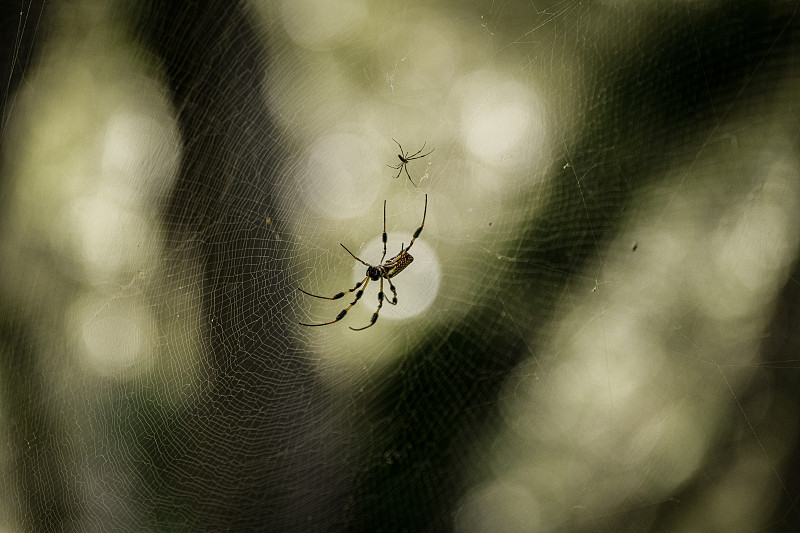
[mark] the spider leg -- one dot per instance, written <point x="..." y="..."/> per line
<point x="419" y="229"/>
<point x="409" y="177"/>
<point x="421" y="149"/>
<point x="394" y="293"/>
<point x="335" y="296"/>
<point x="375" y="315"/>
<point x="384" y="233"/>
<point x="354" y="255"/>
<point x="420" y="157"/>
<point x="344" y="311"/>
<point x="399" y="168"/>
<point x="398" y="144"/>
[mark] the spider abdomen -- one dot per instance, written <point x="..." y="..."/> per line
<point x="399" y="264"/>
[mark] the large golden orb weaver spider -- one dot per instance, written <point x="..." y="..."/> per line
<point x="381" y="271"/>
<point x="404" y="160"/>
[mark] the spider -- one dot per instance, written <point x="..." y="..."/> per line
<point x="404" y="160"/>
<point x="381" y="271"/>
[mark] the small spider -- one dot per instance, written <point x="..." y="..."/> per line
<point x="381" y="271"/>
<point x="404" y="160"/>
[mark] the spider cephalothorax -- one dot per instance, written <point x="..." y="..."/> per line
<point x="375" y="273"/>
<point x="381" y="271"/>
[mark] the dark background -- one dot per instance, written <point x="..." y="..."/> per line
<point x="266" y="443"/>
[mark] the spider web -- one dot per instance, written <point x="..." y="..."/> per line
<point x="597" y="332"/>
